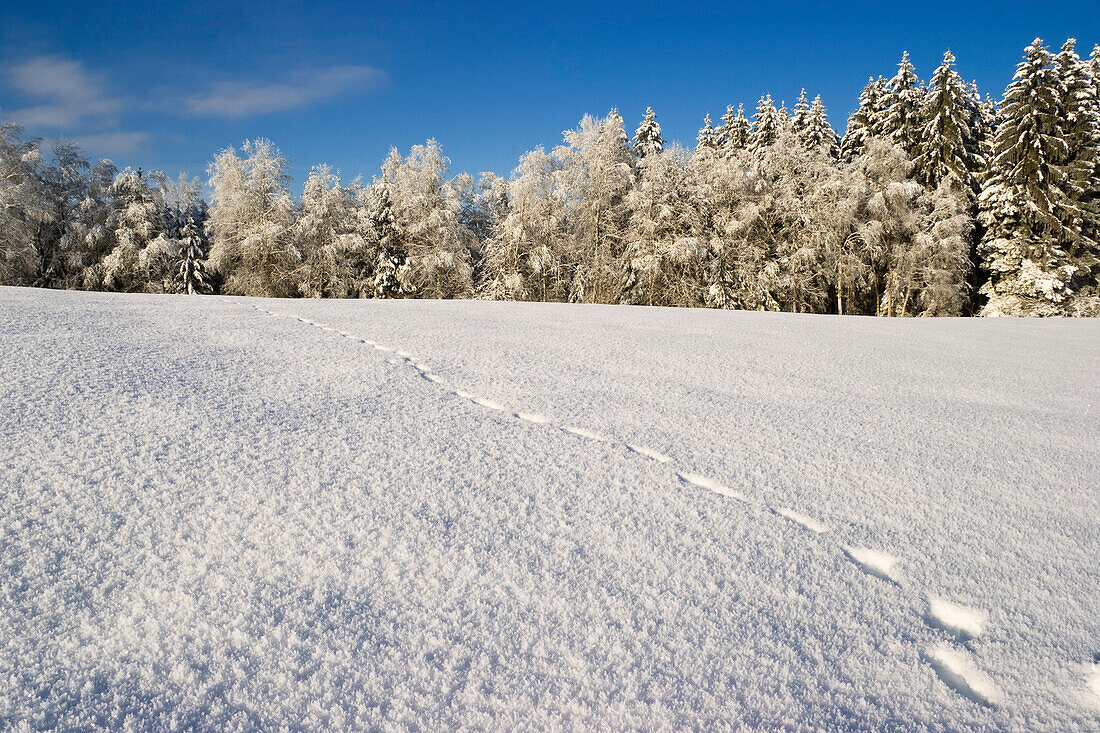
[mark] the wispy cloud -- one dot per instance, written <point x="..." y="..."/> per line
<point x="114" y="143"/>
<point x="67" y="94"/>
<point x="246" y="99"/>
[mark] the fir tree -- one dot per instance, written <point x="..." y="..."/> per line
<point x="1025" y="194"/>
<point x="647" y="138"/>
<point x="950" y="141"/>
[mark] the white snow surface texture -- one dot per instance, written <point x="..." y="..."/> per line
<point x="216" y="514"/>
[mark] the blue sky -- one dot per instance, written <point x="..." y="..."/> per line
<point x="168" y="85"/>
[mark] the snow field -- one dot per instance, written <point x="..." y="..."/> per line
<point x="953" y="667"/>
<point x="334" y="597"/>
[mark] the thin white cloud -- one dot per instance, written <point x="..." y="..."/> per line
<point x="67" y="94"/>
<point x="245" y="99"/>
<point x="113" y="143"/>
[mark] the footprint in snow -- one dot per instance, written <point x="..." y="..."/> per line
<point x="464" y="394"/>
<point x="874" y="562"/>
<point x="433" y="377"/>
<point x="710" y="484"/>
<point x="964" y="622"/>
<point x="533" y="417"/>
<point x="405" y="354"/>
<point x="380" y="347"/>
<point x="486" y="402"/>
<point x="649" y="453"/>
<point x="586" y="434"/>
<point x="327" y="328"/>
<point x="801" y="519"/>
<point x="960" y="674"/>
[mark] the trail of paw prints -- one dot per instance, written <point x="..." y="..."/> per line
<point x="961" y="622"/>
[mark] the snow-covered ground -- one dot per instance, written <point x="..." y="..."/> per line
<point x="236" y="513"/>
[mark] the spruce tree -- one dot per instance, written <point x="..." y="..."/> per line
<point x="901" y="121"/>
<point x="800" y="121"/>
<point x="647" y="138"/>
<point x="193" y="278"/>
<point x="950" y="140"/>
<point x="1080" y="116"/>
<point x="707" y="139"/>
<point x="873" y="102"/>
<point x="1025" y="248"/>
<point x="733" y="135"/>
<point x="817" y="132"/>
<point x="766" y="125"/>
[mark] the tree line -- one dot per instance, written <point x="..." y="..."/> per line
<point x="935" y="202"/>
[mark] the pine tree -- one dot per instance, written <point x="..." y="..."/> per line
<point x="766" y="125"/>
<point x="647" y="138"/>
<point x="1025" y="249"/>
<point x="901" y="121"/>
<point x="873" y="103"/>
<point x="817" y="132"/>
<point x="950" y="141"/>
<point x="193" y="278"/>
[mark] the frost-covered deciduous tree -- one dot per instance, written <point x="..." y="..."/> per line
<point x="426" y="209"/>
<point x="663" y="255"/>
<point x="134" y="227"/>
<point x="251" y="220"/>
<point x="596" y="177"/>
<point x="951" y="133"/>
<point x="526" y="254"/>
<point x="332" y="238"/>
<point x="647" y="138"/>
<point x="22" y="205"/>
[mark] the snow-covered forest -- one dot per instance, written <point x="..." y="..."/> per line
<point x="935" y="201"/>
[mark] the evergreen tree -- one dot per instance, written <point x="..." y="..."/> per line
<point x="733" y="134"/>
<point x="766" y="125"/>
<point x="950" y="141"/>
<point x="901" y="121"/>
<point x="800" y="121"/>
<point x="817" y="132"/>
<point x="873" y="103"/>
<point x="390" y="262"/>
<point x="647" y="138"/>
<point x="193" y="278"/>
<point x="1080" y="116"/>
<point x="706" y="139"/>
<point x="1026" y="248"/>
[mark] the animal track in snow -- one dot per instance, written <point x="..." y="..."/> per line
<point x="584" y="433"/>
<point x="960" y="674"/>
<point x="486" y="402"/>
<point x="874" y="562"/>
<point x="433" y="377"/>
<point x="464" y="394"/>
<point x="703" y="482"/>
<point x="648" y="453"/>
<point x="380" y="347"/>
<point x="960" y="620"/>
<point x="801" y="519"/>
<point x="405" y="354"/>
<point x="533" y="417"/>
